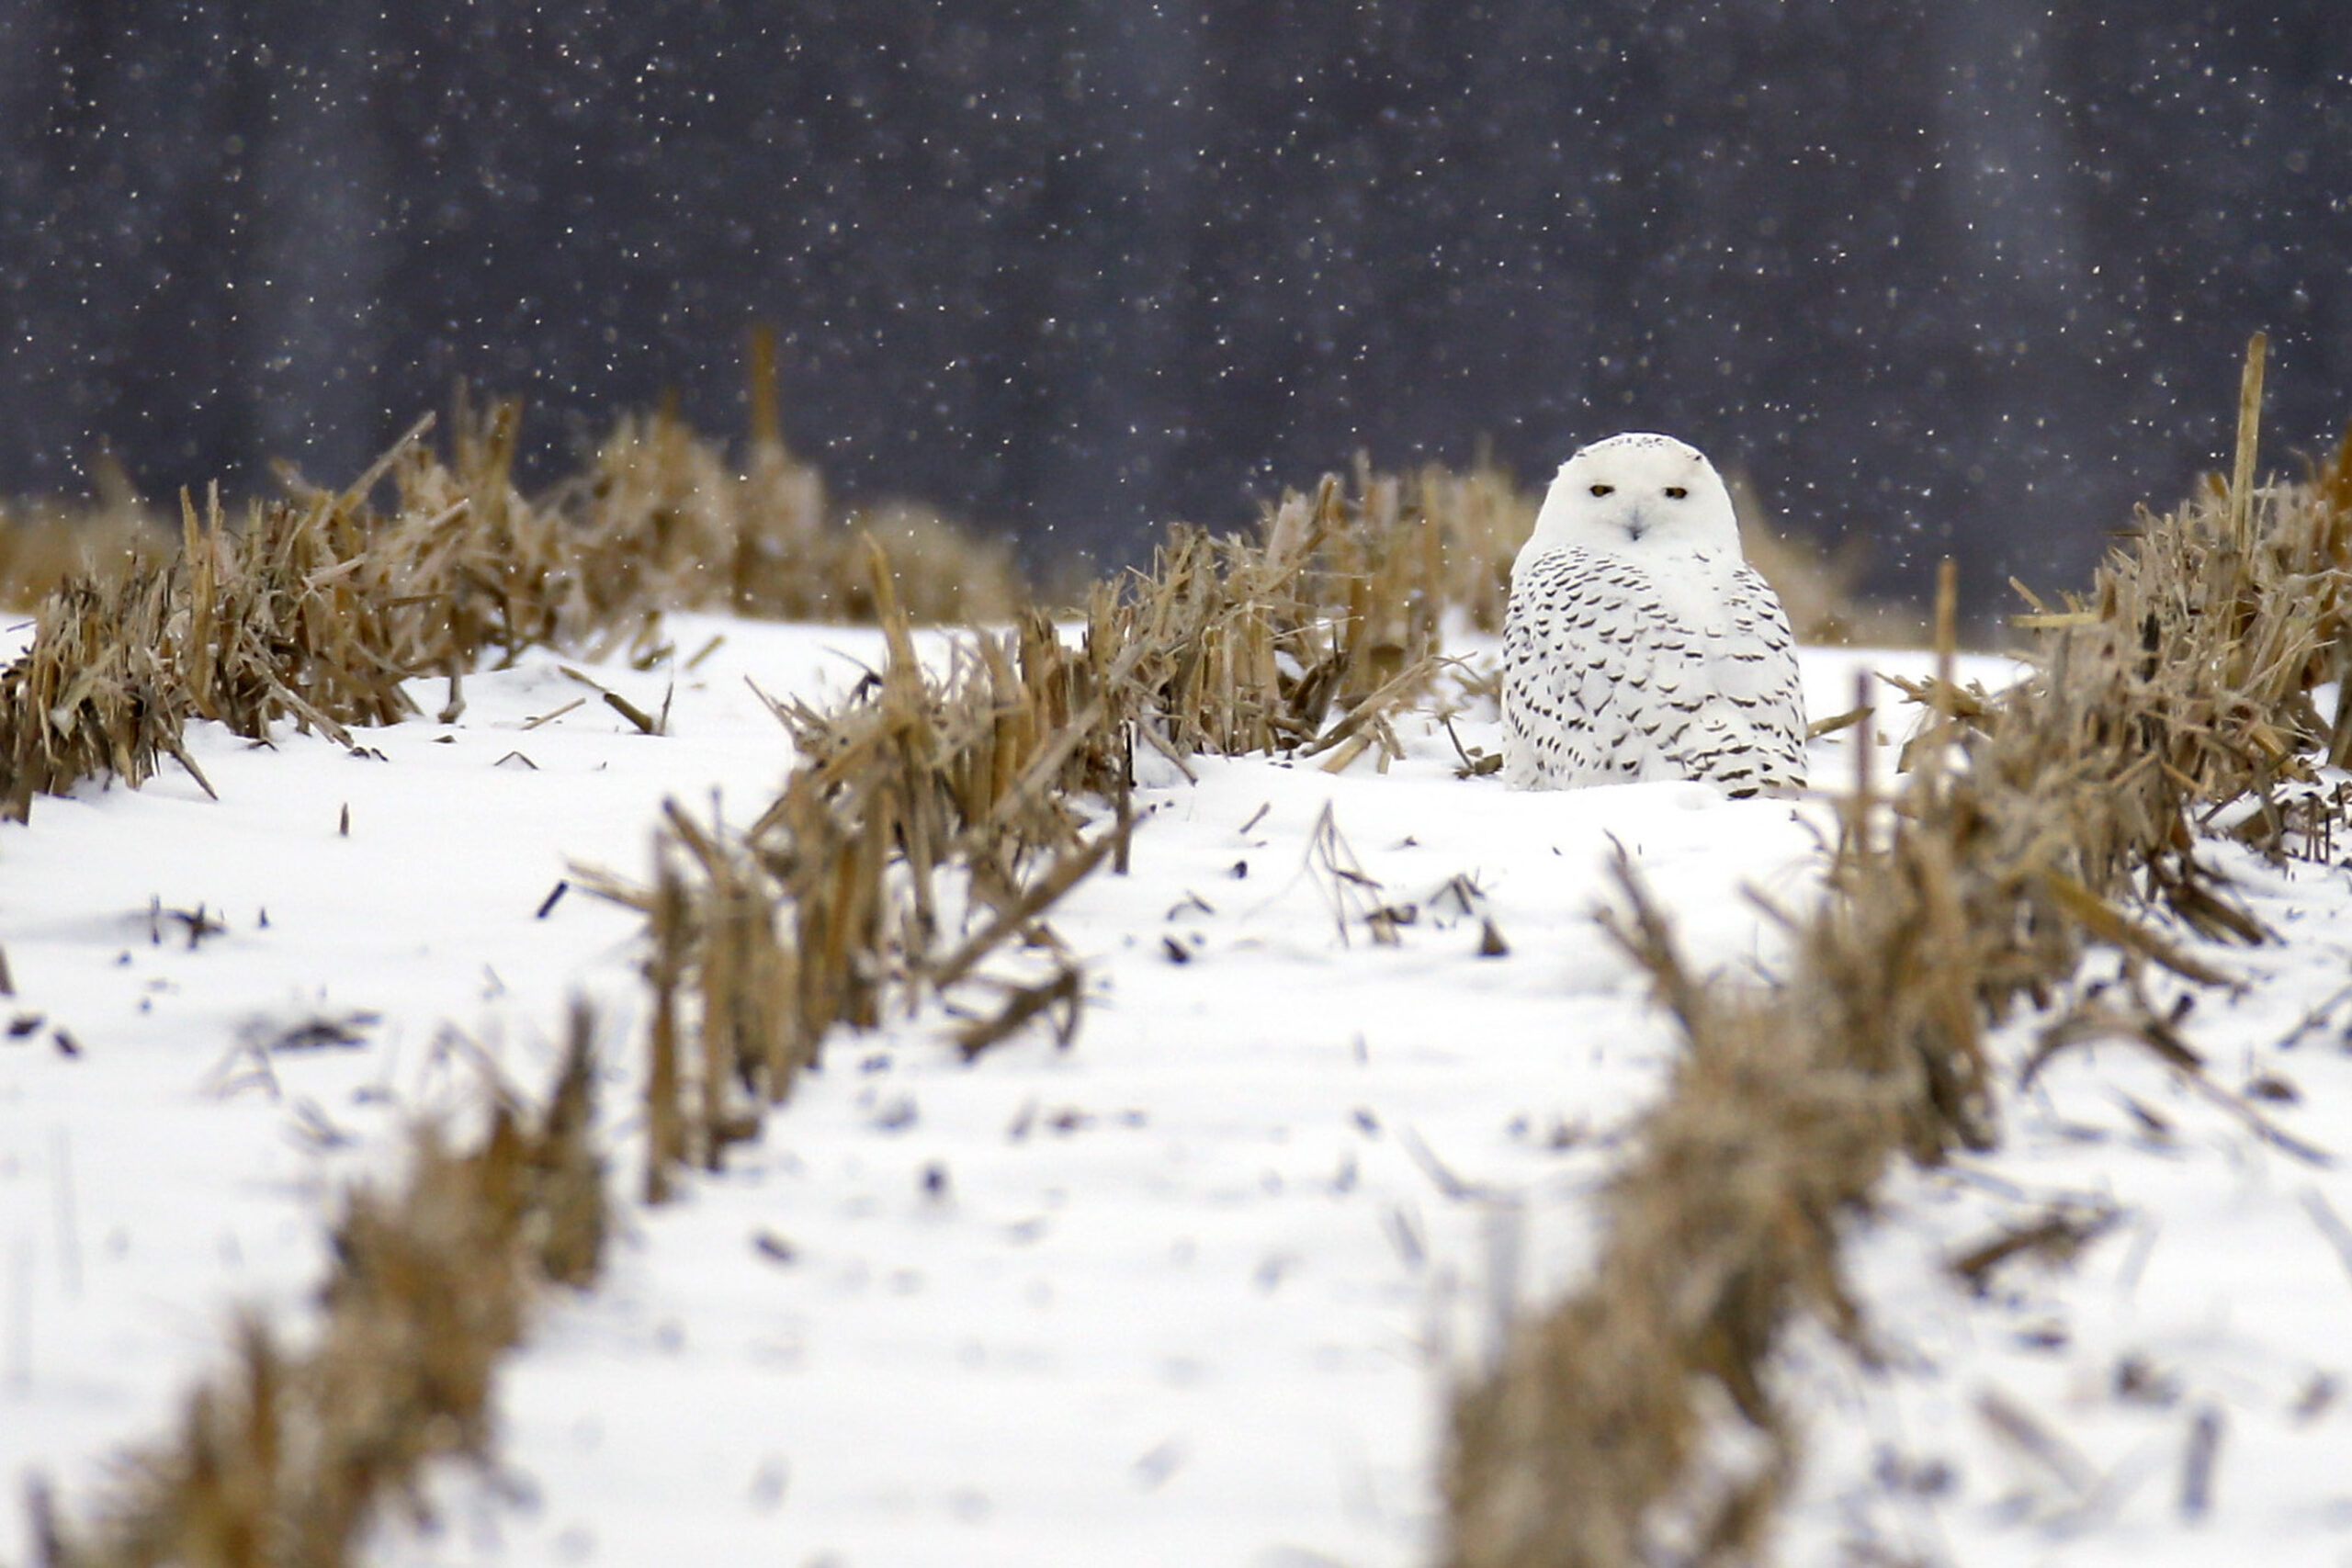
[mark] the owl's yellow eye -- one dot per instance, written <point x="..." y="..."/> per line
<point x="1603" y="490"/>
<point x="1676" y="493"/>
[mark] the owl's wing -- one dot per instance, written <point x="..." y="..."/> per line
<point x="1757" y="657"/>
<point x="1755" y="673"/>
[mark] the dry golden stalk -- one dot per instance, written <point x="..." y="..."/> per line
<point x="2057" y="1237"/>
<point x="1058" y="997"/>
<point x="2249" y="432"/>
<point x="666" y="1138"/>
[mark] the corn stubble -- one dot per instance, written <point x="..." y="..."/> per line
<point x="1636" y="1422"/>
<point x="289" y="1456"/>
<point x="315" y="608"/>
<point x="930" y="826"/>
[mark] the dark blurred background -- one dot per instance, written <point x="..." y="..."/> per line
<point x="1966" y="275"/>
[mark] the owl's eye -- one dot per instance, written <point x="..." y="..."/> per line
<point x="1604" y="489"/>
<point x="1676" y="493"/>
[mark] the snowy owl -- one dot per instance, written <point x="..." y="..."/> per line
<point x="1639" y="643"/>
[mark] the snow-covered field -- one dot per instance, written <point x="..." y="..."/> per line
<point x="1188" y="1293"/>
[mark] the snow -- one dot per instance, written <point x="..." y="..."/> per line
<point x="1193" y="1289"/>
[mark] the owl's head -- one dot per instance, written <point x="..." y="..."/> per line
<point x="1637" y="494"/>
